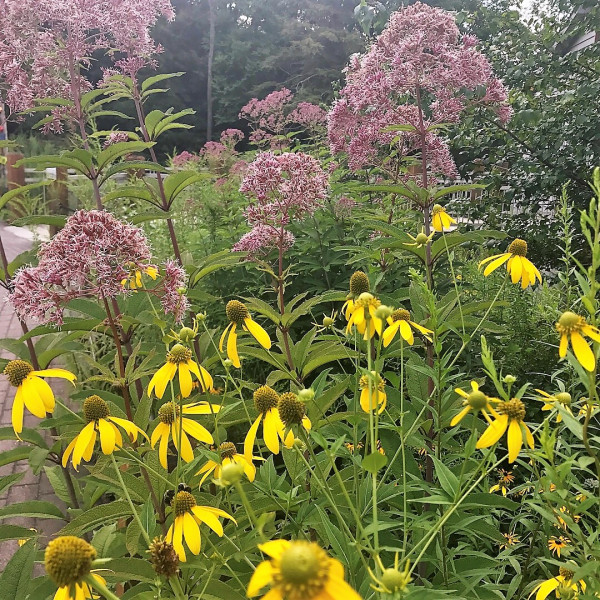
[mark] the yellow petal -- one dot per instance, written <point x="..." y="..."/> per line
<point x="107" y="436"/>
<point x="514" y="440"/>
<point x="271" y="431"/>
<point x="502" y="258"/>
<point x="191" y="531"/>
<point x="197" y="431"/>
<point x="389" y="333"/>
<point x="83" y="440"/>
<point x="493" y="433"/>
<point x="182" y="443"/>
<point x="338" y="588"/>
<point x="251" y="438"/>
<point x="177" y="537"/>
<point x="68" y="452"/>
<point x="31" y="397"/>
<point x="131" y="428"/>
<point x="591" y="332"/>
<point x="515" y="268"/>
<point x="460" y="416"/>
<point x="406" y="332"/>
<point x="89" y="451"/>
<point x="46" y="394"/>
<point x="259" y="334"/>
<point x="17" y="411"/>
<point x="529" y="437"/>
<point x="208" y="517"/>
<point x="164" y="446"/>
<point x="185" y="380"/>
<point x="274" y="548"/>
<point x="161" y="378"/>
<point x="562" y="349"/>
<point x="201" y="408"/>
<point x="207" y="469"/>
<point x="306" y="423"/>
<point x="206" y="381"/>
<point x="545" y="588"/>
<point x="223" y="335"/>
<point x="261" y="577"/>
<point x="232" y="352"/>
<point x="582" y="351"/>
<point x="55" y="373"/>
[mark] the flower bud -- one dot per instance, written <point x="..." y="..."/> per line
<point x="306" y="395"/>
<point x="509" y="379"/>
<point x="327" y="322"/>
<point x="383" y="312"/>
<point x="186" y="334"/>
<point x="231" y="473"/>
<point x="227" y="364"/>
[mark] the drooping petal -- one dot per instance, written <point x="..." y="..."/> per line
<point x="17" y="411"/>
<point x="306" y="423"/>
<point x="204" y="377"/>
<point x="502" y="258"/>
<point x="564" y="342"/>
<point x="161" y="378"/>
<point x="107" y="436"/>
<point x="55" y="373"/>
<point x="591" y="332"/>
<point x="197" y="431"/>
<point x="185" y="380"/>
<point x="546" y="588"/>
<point x="89" y="451"/>
<point x="262" y="576"/>
<point x="83" y="440"/>
<point x="529" y="437"/>
<point x="68" y="451"/>
<point x="182" y="442"/>
<point x="175" y="534"/>
<point x="251" y="438"/>
<point x="208" y="517"/>
<point x="223" y="335"/>
<point x="258" y="333"/>
<point x="514" y="440"/>
<point x="201" y="408"/>
<point x="274" y="548"/>
<point x="191" y="531"/>
<point x="46" y="394"/>
<point x="31" y="397"/>
<point x="131" y="428"/>
<point x="582" y="351"/>
<point x="515" y="268"/>
<point x="406" y="332"/>
<point x="232" y="351"/>
<point x="389" y="333"/>
<point x="338" y="589"/>
<point x="207" y="469"/>
<point x="493" y="433"/>
<point x="164" y="446"/>
<point x="158" y="432"/>
<point x="271" y="431"/>
<point x="460" y="416"/>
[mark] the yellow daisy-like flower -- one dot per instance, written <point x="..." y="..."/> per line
<point x="557" y="544"/>
<point x="363" y="316"/>
<point x="392" y="581"/>
<point x="440" y="219"/>
<point x="186" y="525"/>
<point x="266" y="401"/>
<point x="372" y="396"/>
<point x="565" y="511"/>
<point x="510" y="540"/>
<point x="564" y="581"/>
<point x="399" y="321"/>
<point x="474" y="402"/>
<point x="171" y="423"/>
<point x="359" y="284"/>
<point x="229" y="455"/>
<point x="422" y="239"/>
<point x="504" y="481"/>
<point x="292" y="412"/>
<point x="99" y="424"/>
<point x="550" y="402"/>
<point x="299" y="570"/>
<point x="134" y="281"/>
<point x="179" y="360"/>
<point x="32" y="391"/>
<point x="239" y="316"/>
<point x="573" y="327"/>
<point x="519" y="268"/>
<point x="510" y="416"/>
<point x="68" y="561"/>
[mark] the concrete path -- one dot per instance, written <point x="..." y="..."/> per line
<point x="30" y="487"/>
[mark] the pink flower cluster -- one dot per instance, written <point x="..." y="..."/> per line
<point x="89" y="258"/>
<point x="183" y="158"/>
<point x="419" y="61"/>
<point x="44" y="42"/>
<point x="114" y="137"/>
<point x="270" y="117"/>
<point x="231" y="137"/>
<point x="286" y="187"/>
<point x="214" y="150"/>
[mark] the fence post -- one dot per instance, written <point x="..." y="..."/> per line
<point x="15" y="176"/>
<point x="60" y="197"/>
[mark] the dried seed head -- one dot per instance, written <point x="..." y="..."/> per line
<point x="163" y="557"/>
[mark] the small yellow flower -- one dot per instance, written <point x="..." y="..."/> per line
<point x="518" y="267"/>
<point x="99" y="424"/>
<point x="266" y="401"/>
<point x="510" y="416"/>
<point x="399" y="321"/>
<point x="440" y="219"/>
<point x="186" y="524"/>
<point x="422" y="239"/>
<point x="68" y="561"/>
<point x="229" y="455"/>
<point x="171" y="423"/>
<point x="359" y="284"/>
<point x="179" y="360"/>
<point x="373" y="396"/>
<point x="363" y="316"/>
<point x="239" y="316"/>
<point x="573" y="326"/>
<point x="551" y="401"/>
<point x="350" y="447"/>
<point x="556" y="545"/>
<point x="564" y="580"/>
<point x="392" y="581"/>
<point x="504" y="481"/>
<point x="134" y="280"/>
<point x="510" y="540"/>
<point x="474" y="402"/>
<point x="565" y="511"/>
<point x="32" y="391"/>
<point x="299" y="570"/>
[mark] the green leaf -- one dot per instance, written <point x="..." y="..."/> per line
<point x="15" y="580"/>
<point x="220" y="260"/>
<point x="150" y="81"/>
<point x="136" y="569"/>
<point x="57" y="481"/>
<point x="448" y="480"/>
<point x="175" y="183"/>
<point x="15" y="532"/>
<point x="27" y="435"/>
<point x="15" y="193"/>
<point x="143" y="217"/>
<point x="374" y="462"/>
<point x="10" y="456"/>
<point x="8" y="481"/>
<point x="56" y="220"/>
<point x="96" y="516"/>
<point x="118" y="150"/>
<point x="32" y="508"/>
<point x="452" y="189"/>
<point x="148" y="518"/>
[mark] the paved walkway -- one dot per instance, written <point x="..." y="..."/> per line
<point x="30" y="487"/>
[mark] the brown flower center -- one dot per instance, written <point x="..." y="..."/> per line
<point x="518" y="247"/>
<point x="236" y="312"/>
<point x="17" y="371"/>
<point x="95" y="408"/>
<point x="401" y="315"/>
<point x="359" y="283"/>
<point x="514" y="408"/>
<point x="168" y="412"/>
<point x="179" y="354"/>
<point x="227" y="450"/>
<point x="182" y="503"/>
<point x="265" y="398"/>
<point x="291" y="409"/>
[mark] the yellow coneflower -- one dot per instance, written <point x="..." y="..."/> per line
<point x="440" y="219"/>
<point x="519" y="268"/>
<point x="170" y="416"/>
<point x="474" y="402"/>
<point x="550" y="402"/>
<point x="299" y="570"/>
<point x="572" y="326"/>
<point x="372" y="396"/>
<point x="363" y="316"/>
<point x="350" y="446"/>
<point x="510" y="416"/>
<point x="229" y="455"/>
<point x="292" y="412"/>
<point x="400" y="321"/>
<point x="563" y="580"/>
<point x="179" y="360"/>
<point x="186" y="524"/>
<point x="266" y="400"/>
<point x="359" y="284"/>
<point x="565" y="511"/>
<point x="32" y="391"/>
<point x="68" y="560"/>
<point x="134" y="280"/>
<point x="504" y="481"/>
<point x="101" y="424"/>
<point x="510" y="540"/>
<point x="557" y="544"/>
<point x="422" y="239"/>
<point x="392" y="581"/>
<point x="239" y="316"/>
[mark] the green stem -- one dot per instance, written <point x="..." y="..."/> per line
<point x="249" y="510"/>
<point x="373" y="407"/>
<point x="177" y="589"/>
<point x="450" y="262"/>
<point x="100" y="587"/>
<point x="128" y="497"/>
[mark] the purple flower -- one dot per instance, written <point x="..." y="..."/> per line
<point x="231" y="137"/>
<point x="309" y="115"/>
<point x="114" y="137"/>
<point x="261" y="239"/>
<point x="181" y="159"/>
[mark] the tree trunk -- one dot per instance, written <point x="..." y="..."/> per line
<point x="209" y="82"/>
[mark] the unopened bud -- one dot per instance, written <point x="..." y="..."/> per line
<point x="327" y="322"/>
<point x="306" y="395"/>
<point x="383" y="312"/>
<point x="231" y="473"/>
<point x="227" y="364"/>
<point x="509" y="379"/>
<point x="186" y="334"/>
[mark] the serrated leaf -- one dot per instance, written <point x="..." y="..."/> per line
<point x="16" y="577"/>
<point x="10" y="456"/>
<point x="96" y="516"/>
<point x="8" y="481"/>
<point x="32" y="508"/>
